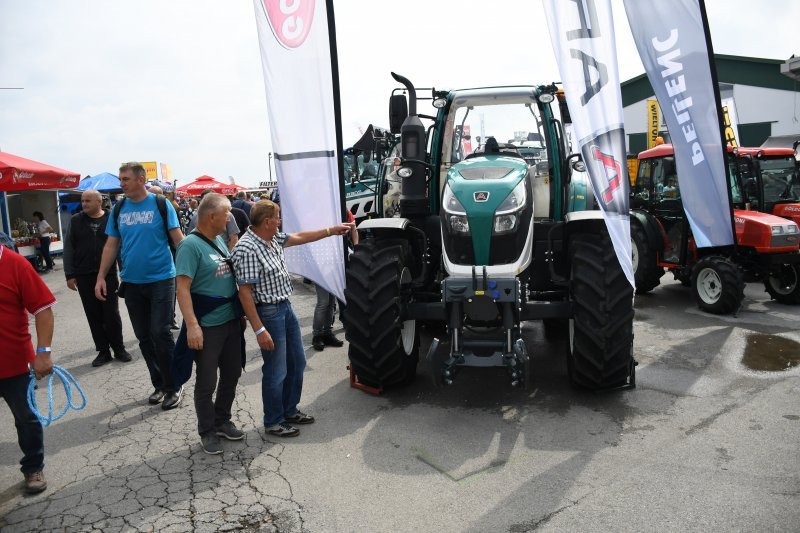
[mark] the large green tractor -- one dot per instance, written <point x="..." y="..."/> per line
<point x="483" y="242"/>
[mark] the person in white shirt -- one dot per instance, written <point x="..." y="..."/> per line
<point x="44" y="239"/>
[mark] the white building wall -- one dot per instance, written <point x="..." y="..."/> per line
<point x="757" y="104"/>
<point x="753" y="104"/>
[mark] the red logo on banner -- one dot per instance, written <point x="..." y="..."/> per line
<point x="290" y="20"/>
<point x="613" y="172"/>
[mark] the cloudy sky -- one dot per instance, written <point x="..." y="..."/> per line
<point x="180" y="81"/>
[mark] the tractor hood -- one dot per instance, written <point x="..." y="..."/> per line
<point x="790" y="211"/>
<point x="766" y="233"/>
<point x="491" y="193"/>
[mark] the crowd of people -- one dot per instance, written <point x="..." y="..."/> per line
<point x="224" y="266"/>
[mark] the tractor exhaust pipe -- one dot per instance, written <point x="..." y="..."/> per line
<point x="412" y="93"/>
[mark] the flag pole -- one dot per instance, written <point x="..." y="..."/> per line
<point x="337" y="108"/>
<point x="718" y="99"/>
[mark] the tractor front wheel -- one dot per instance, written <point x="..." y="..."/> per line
<point x="718" y="285"/>
<point x="601" y="330"/>
<point x="384" y="350"/>
<point x="783" y="284"/>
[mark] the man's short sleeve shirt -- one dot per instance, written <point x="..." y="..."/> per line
<point x="210" y="273"/>
<point x="262" y="264"/>
<point x="22" y="291"/>
<point x="146" y="256"/>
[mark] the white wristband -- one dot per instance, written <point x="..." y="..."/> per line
<point x="260" y="330"/>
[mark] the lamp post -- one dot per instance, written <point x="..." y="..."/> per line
<point x="269" y="165"/>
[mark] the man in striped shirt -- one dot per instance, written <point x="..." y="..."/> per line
<point x="264" y="290"/>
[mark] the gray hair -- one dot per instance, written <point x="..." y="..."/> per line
<point x="211" y="203"/>
<point x="241" y="195"/>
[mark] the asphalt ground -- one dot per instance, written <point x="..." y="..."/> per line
<point x="702" y="444"/>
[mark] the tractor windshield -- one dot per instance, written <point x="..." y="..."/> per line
<point x="514" y="127"/>
<point x="780" y="179"/>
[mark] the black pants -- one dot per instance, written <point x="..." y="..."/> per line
<point x="29" y="431"/>
<point x="150" y="306"/>
<point x="44" y="249"/>
<point x="221" y="349"/>
<point x="103" y="317"/>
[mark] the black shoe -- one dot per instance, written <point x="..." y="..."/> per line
<point x="156" y="397"/>
<point x="330" y="340"/>
<point x="318" y="343"/>
<point x="121" y="354"/>
<point x="229" y="431"/>
<point x="104" y="357"/>
<point x="172" y="399"/>
<point x="211" y="444"/>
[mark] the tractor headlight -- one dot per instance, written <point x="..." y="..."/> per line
<point x="455" y="212"/>
<point x="785" y="229"/>
<point x="451" y="204"/>
<point x="458" y="223"/>
<point x="507" y="214"/>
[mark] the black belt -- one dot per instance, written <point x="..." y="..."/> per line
<point x="261" y="304"/>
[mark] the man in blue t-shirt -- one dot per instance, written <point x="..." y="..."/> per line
<point x="148" y="275"/>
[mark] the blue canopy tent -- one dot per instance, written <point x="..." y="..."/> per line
<point x="105" y="182"/>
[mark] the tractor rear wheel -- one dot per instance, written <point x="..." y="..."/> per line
<point x="646" y="271"/>
<point x="783" y="284"/>
<point x="383" y="349"/>
<point x="601" y="330"/>
<point x="718" y="285"/>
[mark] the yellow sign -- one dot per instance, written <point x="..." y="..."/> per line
<point x="151" y="169"/>
<point x="730" y="133"/>
<point x="653" y="120"/>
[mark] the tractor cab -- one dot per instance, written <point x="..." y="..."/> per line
<point x="769" y="180"/>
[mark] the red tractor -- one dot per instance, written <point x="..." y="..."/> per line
<point x="767" y="246"/>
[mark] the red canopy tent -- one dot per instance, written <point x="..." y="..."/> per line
<point x="204" y="183"/>
<point x="20" y="174"/>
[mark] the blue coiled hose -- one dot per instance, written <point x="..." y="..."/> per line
<point x="68" y="381"/>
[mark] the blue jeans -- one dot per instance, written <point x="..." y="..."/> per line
<point x="29" y="430"/>
<point x="282" y="373"/>
<point x="151" y="306"/>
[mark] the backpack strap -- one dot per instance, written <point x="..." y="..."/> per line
<point x="161" y="203"/>
<point x="225" y="256"/>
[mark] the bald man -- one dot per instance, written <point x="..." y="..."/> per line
<point x="83" y="249"/>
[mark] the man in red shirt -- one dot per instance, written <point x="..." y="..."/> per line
<point x="22" y="291"/>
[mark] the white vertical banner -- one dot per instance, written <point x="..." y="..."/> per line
<point x="582" y="33"/>
<point x="671" y="38"/>
<point x="296" y="58"/>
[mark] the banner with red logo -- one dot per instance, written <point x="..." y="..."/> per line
<point x="299" y="81"/>
<point x="671" y="38"/>
<point x="583" y="39"/>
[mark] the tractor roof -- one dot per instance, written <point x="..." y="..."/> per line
<point x="664" y="150"/>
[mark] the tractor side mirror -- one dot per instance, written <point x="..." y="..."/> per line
<point x="398" y="112"/>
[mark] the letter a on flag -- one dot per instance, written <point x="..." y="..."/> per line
<point x="583" y="39"/>
<point x="299" y="80"/>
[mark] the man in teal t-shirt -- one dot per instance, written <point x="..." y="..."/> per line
<point x="148" y="273"/>
<point x="204" y="270"/>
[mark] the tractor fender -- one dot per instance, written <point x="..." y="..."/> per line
<point x="400" y="228"/>
<point x="651" y="227"/>
<point x="584" y="221"/>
